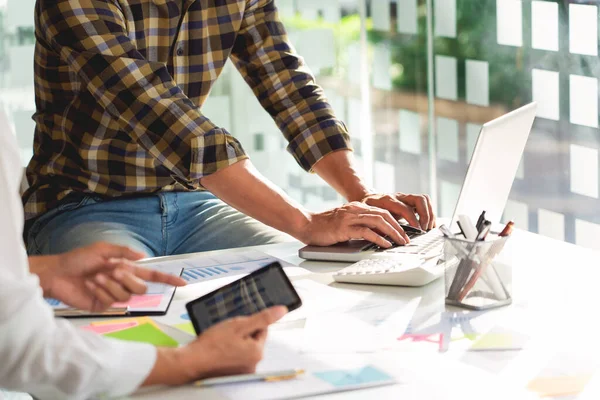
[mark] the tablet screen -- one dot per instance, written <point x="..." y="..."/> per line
<point x="262" y="289"/>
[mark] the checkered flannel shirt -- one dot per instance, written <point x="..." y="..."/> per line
<point x="120" y="85"/>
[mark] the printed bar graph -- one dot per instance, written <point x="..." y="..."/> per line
<point x="208" y="267"/>
<point x="193" y="274"/>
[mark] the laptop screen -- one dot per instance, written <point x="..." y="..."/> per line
<point x="494" y="164"/>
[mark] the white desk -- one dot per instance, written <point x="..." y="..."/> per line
<point x="558" y="284"/>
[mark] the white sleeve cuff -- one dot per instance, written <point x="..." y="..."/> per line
<point x="129" y="365"/>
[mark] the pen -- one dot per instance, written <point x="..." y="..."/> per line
<point x="449" y="235"/>
<point x="463" y="270"/>
<point x="496" y="248"/>
<point x="468" y="266"/>
<point x="507" y="229"/>
<point x="265" y="377"/>
<point x="461" y="229"/>
<point x="484" y="230"/>
<point x="480" y="221"/>
<point x="467" y="227"/>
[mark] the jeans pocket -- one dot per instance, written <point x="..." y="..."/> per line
<point x="74" y="205"/>
<point x="40" y="223"/>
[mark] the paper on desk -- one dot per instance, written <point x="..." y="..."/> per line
<point x="366" y="327"/>
<point x="324" y="373"/>
<point x="311" y="384"/>
<point x="469" y="331"/>
<point x="204" y="268"/>
<point x="318" y="298"/>
<point x="283" y="351"/>
<point x="177" y="314"/>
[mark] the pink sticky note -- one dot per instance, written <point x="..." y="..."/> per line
<point x="103" y="329"/>
<point x="143" y="301"/>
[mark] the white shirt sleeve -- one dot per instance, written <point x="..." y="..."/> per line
<point x="41" y="355"/>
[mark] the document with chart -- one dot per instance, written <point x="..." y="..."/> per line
<point x="207" y="267"/>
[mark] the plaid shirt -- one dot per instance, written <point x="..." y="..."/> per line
<point x="120" y="86"/>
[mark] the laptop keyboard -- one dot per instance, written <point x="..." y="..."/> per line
<point x="428" y="243"/>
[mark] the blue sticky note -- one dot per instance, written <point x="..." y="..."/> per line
<point x="353" y="377"/>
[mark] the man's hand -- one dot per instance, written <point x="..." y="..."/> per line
<point x="231" y="347"/>
<point x="338" y="169"/>
<point x="95" y="277"/>
<point x="353" y="221"/>
<point x="406" y="206"/>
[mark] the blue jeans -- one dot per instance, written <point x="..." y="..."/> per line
<point x="158" y="225"/>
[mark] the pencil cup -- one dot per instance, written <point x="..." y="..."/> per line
<point x="478" y="276"/>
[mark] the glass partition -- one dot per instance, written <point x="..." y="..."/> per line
<point x="414" y="80"/>
<point x="328" y="36"/>
<point x="17" y="99"/>
<point x="492" y="56"/>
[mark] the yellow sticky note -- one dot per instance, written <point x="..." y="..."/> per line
<point x="186" y="327"/>
<point x="559" y="386"/>
<point x="495" y="341"/>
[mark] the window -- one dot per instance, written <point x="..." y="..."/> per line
<point x="17" y="99"/>
<point x="414" y="80"/>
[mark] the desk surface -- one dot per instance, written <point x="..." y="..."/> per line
<point x="555" y="283"/>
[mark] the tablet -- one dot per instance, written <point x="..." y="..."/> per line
<point x="263" y="288"/>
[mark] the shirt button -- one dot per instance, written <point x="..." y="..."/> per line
<point x="180" y="51"/>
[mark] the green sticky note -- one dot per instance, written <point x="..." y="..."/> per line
<point x="187" y="327"/>
<point x="145" y="333"/>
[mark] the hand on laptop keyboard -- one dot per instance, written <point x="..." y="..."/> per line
<point x="410" y="231"/>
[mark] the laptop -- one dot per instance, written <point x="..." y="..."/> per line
<point x="487" y="185"/>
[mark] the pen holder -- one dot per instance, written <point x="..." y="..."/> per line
<point x="475" y="278"/>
